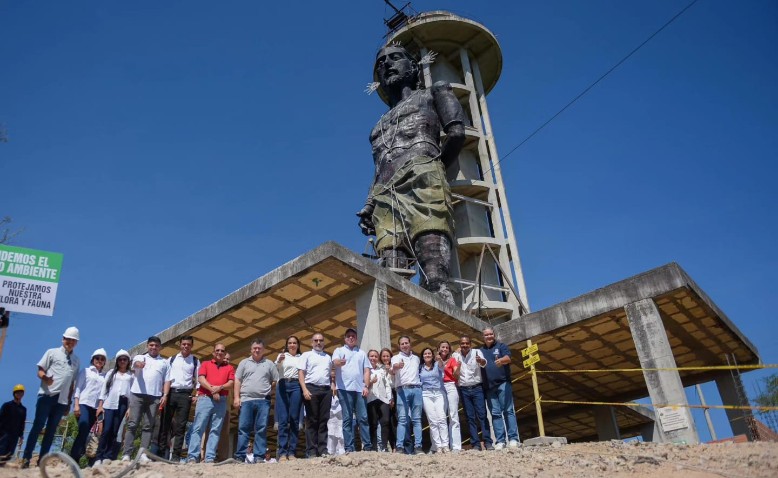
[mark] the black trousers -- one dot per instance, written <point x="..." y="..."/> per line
<point x="174" y="419"/>
<point x="379" y="412"/>
<point x="317" y="414"/>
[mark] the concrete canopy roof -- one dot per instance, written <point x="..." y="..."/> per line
<point x="591" y="332"/>
<point x="315" y="292"/>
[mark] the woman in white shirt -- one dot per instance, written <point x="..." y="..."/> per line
<point x="379" y="399"/>
<point x="113" y="404"/>
<point x="87" y="392"/>
<point x="386" y="361"/>
<point x="289" y="399"/>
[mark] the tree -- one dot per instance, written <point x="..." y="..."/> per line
<point x="768" y="398"/>
<point x="6" y="234"/>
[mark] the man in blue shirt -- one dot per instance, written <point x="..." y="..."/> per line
<point x="352" y="376"/>
<point x="499" y="394"/>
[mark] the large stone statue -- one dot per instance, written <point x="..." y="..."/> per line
<point x="409" y="206"/>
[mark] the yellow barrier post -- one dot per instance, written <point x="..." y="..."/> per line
<point x="532" y="358"/>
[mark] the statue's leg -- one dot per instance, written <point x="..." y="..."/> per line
<point x="433" y="251"/>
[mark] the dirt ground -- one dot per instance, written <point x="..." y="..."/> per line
<point x="612" y="459"/>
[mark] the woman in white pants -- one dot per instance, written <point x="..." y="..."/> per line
<point x="431" y="374"/>
<point x="450" y="376"/>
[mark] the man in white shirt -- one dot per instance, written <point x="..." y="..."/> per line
<point x="405" y="366"/>
<point x="146" y="395"/>
<point x="180" y="388"/>
<point x="352" y="376"/>
<point x="471" y="389"/>
<point x="57" y="371"/>
<point x="318" y="388"/>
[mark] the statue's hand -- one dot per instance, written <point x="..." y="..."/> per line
<point x="366" y="220"/>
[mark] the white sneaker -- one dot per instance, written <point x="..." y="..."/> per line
<point x="97" y="464"/>
<point x="126" y="458"/>
<point x="143" y="459"/>
<point x="499" y="446"/>
<point x="107" y="461"/>
<point x="513" y="444"/>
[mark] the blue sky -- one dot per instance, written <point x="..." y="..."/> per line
<point x="174" y="151"/>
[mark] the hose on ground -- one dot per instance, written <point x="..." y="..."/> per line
<point x="67" y="460"/>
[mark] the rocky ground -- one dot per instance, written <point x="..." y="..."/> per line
<point x="612" y="459"/>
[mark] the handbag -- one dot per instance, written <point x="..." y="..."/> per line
<point x="93" y="441"/>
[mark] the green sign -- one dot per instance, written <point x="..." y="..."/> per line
<point x="29" y="279"/>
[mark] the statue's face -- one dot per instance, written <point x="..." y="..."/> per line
<point x="394" y="66"/>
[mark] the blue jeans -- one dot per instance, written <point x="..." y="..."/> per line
<point x="207" y="410"/>
<point x="85" y="422"/>
<point x="475" y="410"/>
<point x="113" y="418"/>
<point x="409" y="406"/>
<point x="253" y="417"/>
<point x="48" y="413"/>
<point x="289" y="401"/>
<point x="500" y="401"/>
<point x="352" y="402"/>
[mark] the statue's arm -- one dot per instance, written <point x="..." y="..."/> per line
<point x="452" y="118"/>
<point x="366" y="217"/>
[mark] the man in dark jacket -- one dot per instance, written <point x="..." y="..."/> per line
<point x="12" y="417"/>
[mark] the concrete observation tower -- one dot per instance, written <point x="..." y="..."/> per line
<point x="469" y="58"/>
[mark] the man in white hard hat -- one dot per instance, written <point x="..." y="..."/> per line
<point x="12" y="417"/>
<point x="57" y="370"/>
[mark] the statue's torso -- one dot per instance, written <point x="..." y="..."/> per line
<point x="410" y="129"/>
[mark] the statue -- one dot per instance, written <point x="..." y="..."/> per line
<point x="409" y="205"/>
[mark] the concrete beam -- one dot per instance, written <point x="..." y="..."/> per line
<point x="664" y="387"/>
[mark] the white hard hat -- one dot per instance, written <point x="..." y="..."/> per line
<point x="101" y="352"/>
<point x="71" y="333"/>
<point x="121" y="353"/>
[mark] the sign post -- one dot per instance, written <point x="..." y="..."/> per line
<point x="29" y="280"/>
<point x="532" y="358"/>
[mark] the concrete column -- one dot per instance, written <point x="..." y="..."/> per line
<point x="738" y="420"/>
<point x="606" y="423"/>
<point x="373" y="317"/>
<point x="649" y="431"/>
<point x="664" y="387"/>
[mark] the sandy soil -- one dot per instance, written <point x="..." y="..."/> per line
<point x="635" y="460"/>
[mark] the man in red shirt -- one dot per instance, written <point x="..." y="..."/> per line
<point x="216" y="378"/>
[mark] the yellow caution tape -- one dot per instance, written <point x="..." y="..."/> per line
<point x="657" y="405"/>
<point x="527" y="405"/>
<point x="676" y="369"/>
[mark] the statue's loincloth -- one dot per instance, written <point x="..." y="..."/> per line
<point x="416" y="200"/>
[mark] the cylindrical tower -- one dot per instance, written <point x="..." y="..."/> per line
<point x="469" y="58"/>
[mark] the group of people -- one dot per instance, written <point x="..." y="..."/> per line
<point x="374" y="390"/>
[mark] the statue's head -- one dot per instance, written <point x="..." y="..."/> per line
<point x="395" y="68"/>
